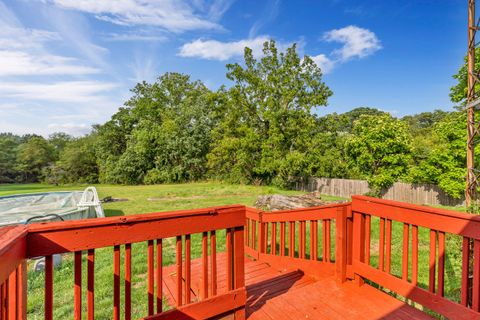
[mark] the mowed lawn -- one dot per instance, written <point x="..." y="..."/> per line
<point x="156" y="198"/>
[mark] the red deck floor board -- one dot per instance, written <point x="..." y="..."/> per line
<point x="290" y="294"/>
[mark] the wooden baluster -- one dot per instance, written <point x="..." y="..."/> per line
<point x="476" y="275"/>
<point x="255" y="244"/>
<point x="465" y="270"/>
<point x="159" y="275"/>
<point x="265" y="240"/>
<point x="349" y="236"/>
<point x="441" y="263"/>
<point x="2" y="303"/>
<point x="312" y="240"/>
<point x="261" y="237"/>
<point x="188" y="274"/>
<point x="116" y="282"/>
<point x="388" y="246"/>
<point x="48" y="288"/>
<point x="291" y="246"/>
<point x="204" y="265"/>
<point x="414" y="255"/>
<point x="315" y="240"/>
<point x="381" y="246"/>
<point x="328" y="237"/>
<point x="91" y="284"/>
<point x="229" y="246"/>
<point x="12" y="295"/>
<point x="433" y="257"/>
<point x="247" y="232"/>
<point x="151" y="284"/>
<point x="302" y="239"/>
<point x="22" y="287"/>
<point x="324" y="241"/>
<point x="128" y="281"/>
<point x="77" y="292"/>
<point x="213" y="262"/>
<point x="273" y="241"/>
<point x="239" y="266"/>
<point x="367" y="238"/>
<point x="282" y="239"/>
<point x="179" y="271"/>
<point x="406" y="231"/>
<point x="3" y="311"/>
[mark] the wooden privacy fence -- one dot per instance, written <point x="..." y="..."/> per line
<point x="428" y="194"/>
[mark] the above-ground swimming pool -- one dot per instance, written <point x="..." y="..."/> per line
<point x="50" y="206"/>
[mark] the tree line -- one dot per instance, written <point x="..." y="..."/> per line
<point x="262" y="129"/>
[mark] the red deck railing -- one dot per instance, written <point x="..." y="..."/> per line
<point x="351" y="241"/>
<point x="80" y="237"/>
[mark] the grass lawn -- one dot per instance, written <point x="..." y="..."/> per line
<point x="188" y="196"/>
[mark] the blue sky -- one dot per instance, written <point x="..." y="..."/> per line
<point x="67" y="64"/>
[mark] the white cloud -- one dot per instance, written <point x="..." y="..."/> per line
<point x="324" y="62"/>
<point x="172" y="15"/>
<point x="357" y="42"/>
<point x="217" y="50"/>
<point x="138" y="36"/>
<point x="18" y="63"/>
<point x="67" y="91"/>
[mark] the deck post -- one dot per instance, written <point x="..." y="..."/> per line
<point x="239" y="267"/>
<point x="358" y="243"/>
<point x="341" y="245"/>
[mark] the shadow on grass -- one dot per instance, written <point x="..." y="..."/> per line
<point x="113" y="212"/>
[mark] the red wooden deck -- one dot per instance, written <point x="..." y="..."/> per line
<point x="290" y="294"/>
<point x="312" y="263"/>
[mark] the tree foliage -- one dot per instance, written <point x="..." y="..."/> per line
<point x="380" y="147"/>
<point x="267" y="124"/>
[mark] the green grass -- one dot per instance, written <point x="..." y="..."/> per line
<point x="165" y="198"/>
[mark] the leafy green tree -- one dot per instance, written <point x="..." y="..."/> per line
<point x="266" y="131"/>
<point x="162" y="134"/>
<point x="33" y="156"/>
<point x="8" y="157"/>
<point x="380" y="148"/>
<point x="78" y="163"/>
<point x="445" y="164"/>
<point x="59" y="140"/>
<point x="458" y="92"/>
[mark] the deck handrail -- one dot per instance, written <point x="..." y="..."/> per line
<point x="84" y="236"/>
<point x="265" y="231"/>
<point x="440" y="223"/>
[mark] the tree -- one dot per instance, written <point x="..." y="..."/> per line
<point x="77" y="163"/>
<point x="58" y="141"/>
<point x="445" y="164"/>
<point x="8" y="157"/>
<point x="380" y="148"/>
<point x="33" y="156"/>
<point x="458" y="92"/>
<point x="162" y="134"/>
<point x="266" y="129"/>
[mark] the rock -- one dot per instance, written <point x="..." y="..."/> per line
<point x="281" y="202"/>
